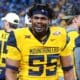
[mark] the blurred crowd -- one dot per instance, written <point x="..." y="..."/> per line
<point x="68" y="7"/>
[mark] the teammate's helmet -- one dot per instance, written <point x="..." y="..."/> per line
<point x="12" y="18"/>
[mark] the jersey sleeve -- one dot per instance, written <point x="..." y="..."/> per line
<point x="13" y="51"/>
<point x="66" y="51"/>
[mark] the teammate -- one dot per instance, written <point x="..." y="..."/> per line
<point x="74" y="34"/>
<point x="34" y="51"/>
<point x="11" y="21"/>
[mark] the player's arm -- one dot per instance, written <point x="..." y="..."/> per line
<point x="67" y="63"/>
<point x="66" y="60"/>
<point x="11" y="69"/>
<point x="12" y="60"/>
<point x="67" y="67"/>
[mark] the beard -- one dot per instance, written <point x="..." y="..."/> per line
<point x="40" y="29"/>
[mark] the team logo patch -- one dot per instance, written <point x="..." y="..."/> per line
<point x="57" y="33"/>
<point x="27" y="36"/>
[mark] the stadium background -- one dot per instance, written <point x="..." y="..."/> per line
<point x="69" y="7"/>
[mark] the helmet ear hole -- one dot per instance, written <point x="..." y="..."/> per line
<point x="16" y="21"/>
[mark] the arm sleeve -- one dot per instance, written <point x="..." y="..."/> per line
<point x="13" y="51"/>
<point x="67" y="49"/>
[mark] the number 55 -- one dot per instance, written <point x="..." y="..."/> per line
<point x="49" y="72"/>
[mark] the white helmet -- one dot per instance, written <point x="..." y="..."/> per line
<point x="12" y="18"/>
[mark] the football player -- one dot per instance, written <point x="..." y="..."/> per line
<point x="34" y="51"/>
<point x="74" y="34"/>
<point x="11" y="21"/>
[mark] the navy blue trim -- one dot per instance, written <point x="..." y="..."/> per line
<point x="68" y="68"/>
<point x="3" y="60"/>
<point x="2" y="73"/>
<point x="12" y="67"/>
<point x="77" y="41"/>
<point x="67" y="41"/>
<point x="2" y="67"/>
<point x="11" y="40"/>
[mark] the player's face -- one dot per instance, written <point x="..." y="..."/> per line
<point x="77" y="20"/>
<point x="6" y="26"/>
<point x="40" y="23"/>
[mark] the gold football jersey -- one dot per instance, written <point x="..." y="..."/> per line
<point x="38" y="61"/>
<point x="73" y="36"/>
<point x="3" y="39"/>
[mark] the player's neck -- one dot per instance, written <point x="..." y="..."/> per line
<point x="41" y="36"/>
